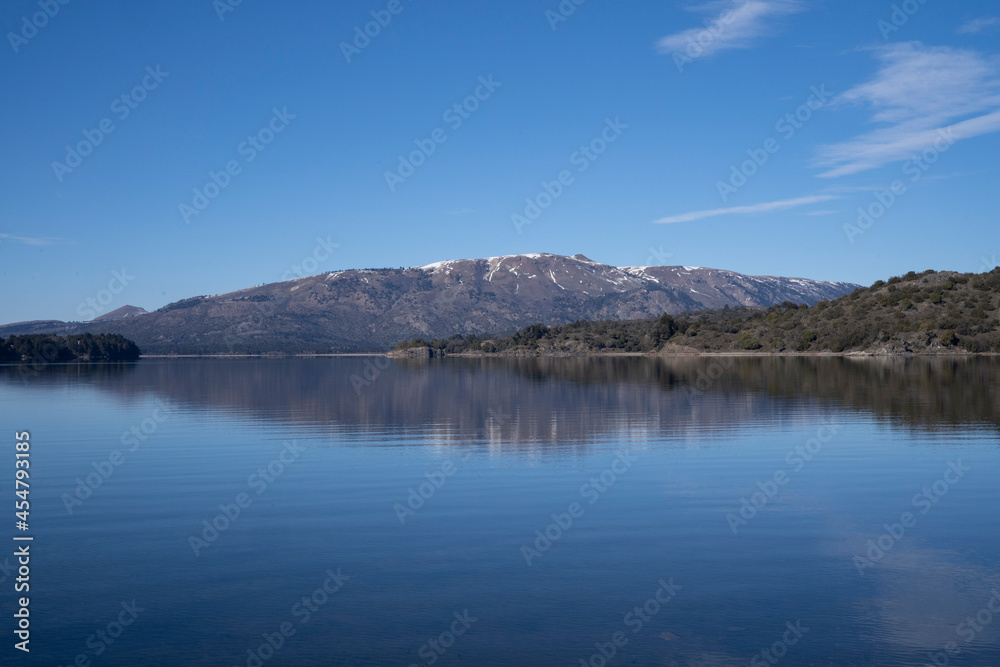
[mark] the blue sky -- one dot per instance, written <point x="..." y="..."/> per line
<point x="739" y="135"/>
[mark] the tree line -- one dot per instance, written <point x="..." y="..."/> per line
<point x="34" y="348"/>
<point x="915" y="313"/>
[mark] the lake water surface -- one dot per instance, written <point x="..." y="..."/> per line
<point x="510" y="512"/>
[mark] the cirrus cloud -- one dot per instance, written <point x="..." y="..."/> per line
<point x="976" y="26"/>
<point x="31" y="240"/>
<point x="739" y="25"/>
<point x="918" y="93"/>
<point x="766" y="207"/>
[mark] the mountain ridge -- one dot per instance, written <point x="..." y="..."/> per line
<point x="928" y="313"/>
<point x="373" y="309"/>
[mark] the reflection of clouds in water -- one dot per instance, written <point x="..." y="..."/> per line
<point x="921" y="596"/>
<point x="912" y="600"/>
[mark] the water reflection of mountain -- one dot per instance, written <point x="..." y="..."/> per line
<point x="550" y="400"/>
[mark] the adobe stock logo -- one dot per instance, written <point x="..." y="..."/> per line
<point x="223" y="7"/>
<point x="455" y="116"/>
<point x="363" y="36"/>
<point x="37" y="21"/>
<point x="929" y="496"/>
<point x="900" y="16"/>
<point x="96" y="305"/>
<point x="787" y="126"/>
<point x="915" y="168"/>
<point x="249" y="149"/>
<point x="565" y="9"/>
<point x="122" y="106"/>
<point x="582" y="159"/>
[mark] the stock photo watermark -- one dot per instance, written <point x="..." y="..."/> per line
<point x="301" y="612"/>
<point x="900" y="16"/>
<point x="32" y="23"/>
<point x="786" y="126"/>
<point x="705" y="378"/>
<point x="239" y="333"/>
<point x="592" y="491"/>
<point x="426" y="490"/>
<point x="435" y="648"/>
<point x="363" y="35"/>
<point x="915" y="168"/>
<point x="122" y="106"/>
<point x="249" y="149"/>
<point x="967" y="631"/>
<point x="455" y="116"/>
<point x="105" y="468"/>
<point x="104" y="638"/>
<point x="635" y="620"/>
<point x="223" y="7"/>
<point x="230" y="512"/>
<point x="658" y="256"/>
<point x="99" y="304"/>
<point x="768" y="490"/>
<point x="324" y="250"/>
<point x="582" y="159"/>
<point x="23" y="585"/>
<point x="779" y="649"/>
<point x="699" y="43"/>
<point x="370" y="375"/>
<point x="924" y="501"/>
<point x="562" y="13"/>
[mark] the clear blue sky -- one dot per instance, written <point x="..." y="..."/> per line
<point x="883" y="94"/>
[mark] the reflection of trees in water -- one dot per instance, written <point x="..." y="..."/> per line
<point x="915" y="390"/>
<point x="553" y="400"/>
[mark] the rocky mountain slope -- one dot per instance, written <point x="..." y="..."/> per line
<point x="934" y="312"/>
<point x="373" y="309"/>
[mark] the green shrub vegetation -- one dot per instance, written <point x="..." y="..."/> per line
<point x="45" y="348"/>
<point x="918" y="312"/>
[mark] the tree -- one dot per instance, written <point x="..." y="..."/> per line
<point x="665" y="328"/>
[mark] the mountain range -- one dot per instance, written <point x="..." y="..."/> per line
<point x="373" y="309"/>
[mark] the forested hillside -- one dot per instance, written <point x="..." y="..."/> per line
<point x="925" y="312"/>
<point x="36" y="348"/>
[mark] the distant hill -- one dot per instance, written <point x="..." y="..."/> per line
<point x="121" y="314"/>
<point x="919" y="313"/>
<point x="373" y="309"/>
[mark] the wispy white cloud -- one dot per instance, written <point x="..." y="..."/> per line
<point x="735" y="24"/>
<point x="919" y="92"/>
<point x="978" y="25"/>
<point x="746" y="210"/>
<point x="28" y="240"/>
<point x="851" y="189"/>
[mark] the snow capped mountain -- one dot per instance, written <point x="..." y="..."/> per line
<point x="372" y="309"/>
<point x="715" y="288"/>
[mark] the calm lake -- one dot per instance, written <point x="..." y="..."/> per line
<point x="628" y="511"/>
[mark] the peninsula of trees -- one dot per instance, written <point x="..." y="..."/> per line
<point x="44" y="348"/>
<point x="918" y="313"/>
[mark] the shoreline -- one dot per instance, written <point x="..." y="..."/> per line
<point x="853" y="353"/>
<point x="265" y="355"/>
<point x="495" y="355"/>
